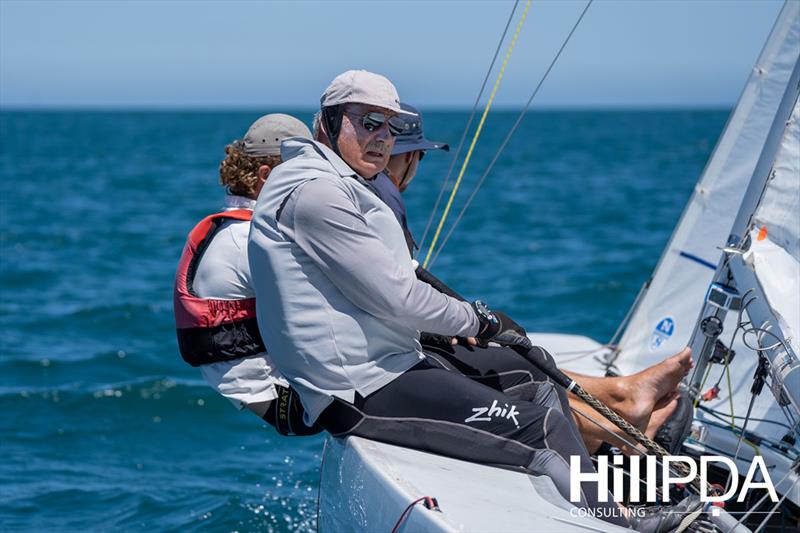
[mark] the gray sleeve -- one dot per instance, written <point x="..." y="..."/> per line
<point x="327" y="225"/>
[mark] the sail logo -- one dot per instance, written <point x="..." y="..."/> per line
<point x="485" y="414"/>
<point x="664" y="330"/>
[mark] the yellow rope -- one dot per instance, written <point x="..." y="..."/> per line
<point x="475" y="137"/>
<point x="730" y="389"/>
<point x="702" y="385"/>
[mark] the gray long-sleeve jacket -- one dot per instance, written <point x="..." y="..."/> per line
<point x="338" y="304"/>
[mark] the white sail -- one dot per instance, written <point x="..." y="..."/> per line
<point x="775" y="250"/>
<point x="665" y="316"/>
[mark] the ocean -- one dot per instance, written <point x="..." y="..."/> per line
<point x="102" y="425"/>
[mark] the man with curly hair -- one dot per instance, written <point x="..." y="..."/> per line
<point x="214" y="298"/>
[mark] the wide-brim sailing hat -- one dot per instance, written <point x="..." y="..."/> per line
<point x="413" y="136"/>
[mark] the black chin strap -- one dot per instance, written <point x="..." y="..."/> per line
<point x="404" y="179"/>
<point x="399" y="181"/>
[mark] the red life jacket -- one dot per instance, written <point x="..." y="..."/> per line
<point x="210" y="331"/>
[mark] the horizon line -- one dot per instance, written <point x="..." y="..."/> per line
<point x="308" y="109"/>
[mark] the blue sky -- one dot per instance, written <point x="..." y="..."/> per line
<point x="282" y="54"/>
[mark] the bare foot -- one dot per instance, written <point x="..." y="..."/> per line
<point x="661" y="415"/>
<point x="642" y="393"/>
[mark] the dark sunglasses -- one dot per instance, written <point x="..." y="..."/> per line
<point x="421" y="155"/>
<point x="375" y="119"/>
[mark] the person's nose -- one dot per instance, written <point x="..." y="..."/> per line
<point x="383" y="133"/>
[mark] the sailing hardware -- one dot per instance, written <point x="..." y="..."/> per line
<point x="711" y="394"/>
<point x="721" y="355"/>
<point x="723" y="297"/>
<point x="719" y="300"/>
<point x="711" y="326"/>
<point x="779" y="365"/>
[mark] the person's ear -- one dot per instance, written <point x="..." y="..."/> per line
<point x="262" y="173"/>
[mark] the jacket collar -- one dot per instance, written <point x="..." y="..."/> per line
<point x="233" y="201"/>
<point x="294" y="147"/>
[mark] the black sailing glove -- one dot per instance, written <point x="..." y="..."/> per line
<point x="498" y="327"/>
<point x="508" y="323"/>
<point x="436" y="341"/>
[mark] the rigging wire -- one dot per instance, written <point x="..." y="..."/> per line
<point x="775" y="508"/>
<point x="466" y="130"/>
<point x="613" y="342"/>
<point x="782" y="447"/>
<point x="764" y="497"/>
<point x="730" y="391"/>
<point x="477" y="134"/>
<point x="507" y="138"/>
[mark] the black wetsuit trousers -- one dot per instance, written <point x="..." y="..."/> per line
<point x="488" y="406"/>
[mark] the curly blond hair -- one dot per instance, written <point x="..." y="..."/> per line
<point x="239" y="171"/>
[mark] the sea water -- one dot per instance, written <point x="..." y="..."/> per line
<point x="103" y="427"/>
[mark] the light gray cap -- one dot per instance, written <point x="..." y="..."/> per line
<point x="362" y="87"/>
<point x="266" y="134"/>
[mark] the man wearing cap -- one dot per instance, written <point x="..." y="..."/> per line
<point x="340" y="307"/>
<point x="214" y="298"/>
